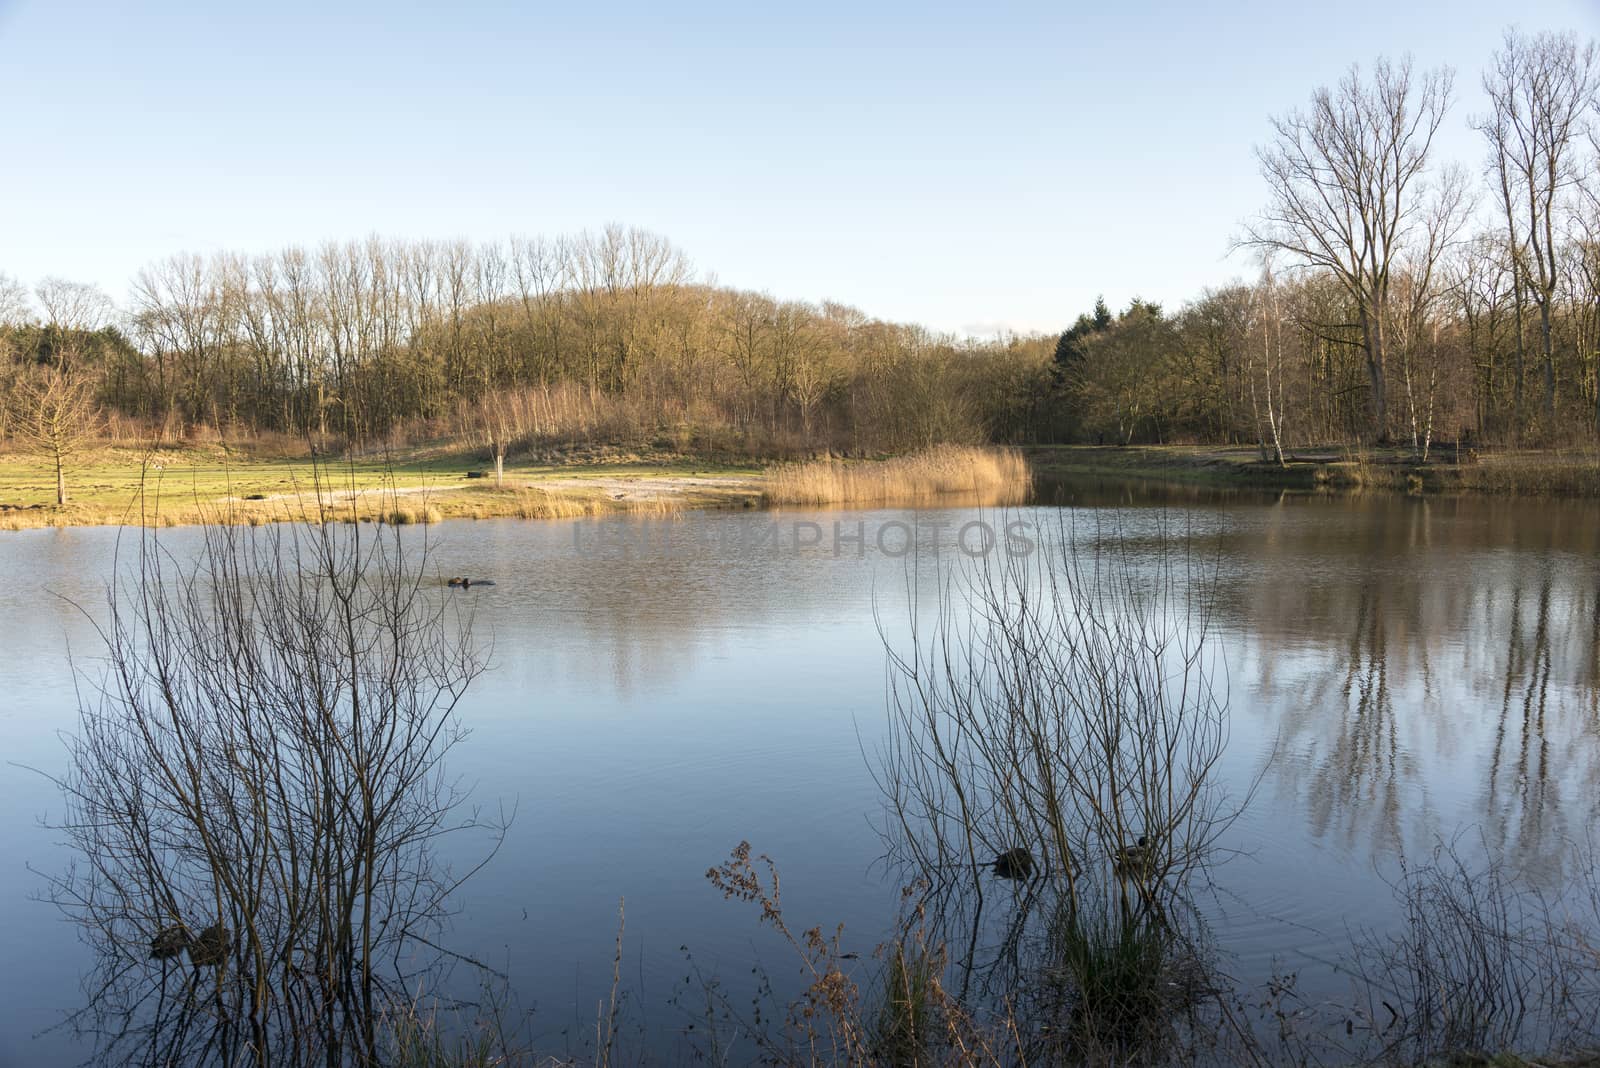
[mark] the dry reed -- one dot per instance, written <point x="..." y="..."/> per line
<point x="531" y="502"/>
<point x="403" y="513"/>
<point x="1000" y="476"/>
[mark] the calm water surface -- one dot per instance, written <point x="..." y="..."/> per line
<point x="1400" y="670"/>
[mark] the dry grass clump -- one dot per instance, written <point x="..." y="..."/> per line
<point x="404" y="513"/>
<point x="999" y="476"/>
<point x="533" y="502"/>
<point x="658" y="506"/>
<point x="530" y="502"/>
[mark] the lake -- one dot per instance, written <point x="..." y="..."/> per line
<point x="1401" y="671"/>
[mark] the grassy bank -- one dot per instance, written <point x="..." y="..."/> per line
<point x="187" y="486"/>
<point x="175" y="487"/>
<point x="1569" y="473"/>
<point x="180" y="487"/>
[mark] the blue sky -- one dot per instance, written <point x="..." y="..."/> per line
<point x="972" y="166"/>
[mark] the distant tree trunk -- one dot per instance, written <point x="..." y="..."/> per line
<point x="1549" y="361"/>
<point x="1272" y="331"/>
<point x="1521" y="362"/>
<point x="1372" y="332"/>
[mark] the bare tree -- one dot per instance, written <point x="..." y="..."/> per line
<point x="1480" y="279"/>
<point x="536" y="268"/>
<point x="813" y="376"/>
<point x="1584" y="267"/>
<point x="15" y="310"/>
<point x="1542" y="92"/>
<point x="1269" y="327"/>
<point x="180" y="307"/>
<point x="499" y="425"/>
<point x="54" y="413"/>
<point x="71" y="309"/>
<point x="1419" y="287"/>
<point x="14" y="305"/>
<point x="75" y="306"/>
<point x="1347" y="185"/>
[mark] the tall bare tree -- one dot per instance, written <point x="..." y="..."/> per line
<point x="1348" y="183"/>
<point x="1542" y="91"/>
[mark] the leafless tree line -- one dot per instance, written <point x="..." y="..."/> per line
<point x="358" y="339"/>
<point x="1397" y="298"/>
<point x="1356" y="193"/>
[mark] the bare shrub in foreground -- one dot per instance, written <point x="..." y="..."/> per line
<point x="256" y="793"/>
<point x="1067" y="709"/>
<point x="906" y="1017"/>
<point x="1483" y="964"/>
<point x="1063" y="726"/>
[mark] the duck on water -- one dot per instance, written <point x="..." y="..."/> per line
<point x="208" y="950"/>
<point x="1133" y="862"/>
<point x="1013" y="864"/>
<point x="1129" y="862"/>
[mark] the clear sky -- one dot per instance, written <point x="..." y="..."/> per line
<point x="972" y="166"/>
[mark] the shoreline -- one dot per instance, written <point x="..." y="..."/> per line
<point x="188" y="487"/>
<point x="183" y="487"/>
<point x="406" y="502"/>
<point x="1509" y="473"/>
